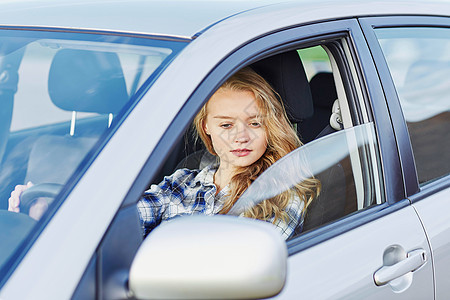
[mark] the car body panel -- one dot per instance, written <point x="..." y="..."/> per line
<point x="149" y="17"/>
<point x="438" y="232"/>
<point x="355" y="256"/>
<point x="163" y="17"/>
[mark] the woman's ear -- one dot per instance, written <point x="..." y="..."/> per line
<point x="205" y="128"/>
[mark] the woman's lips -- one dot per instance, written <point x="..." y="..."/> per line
<point x="241" y="152"/>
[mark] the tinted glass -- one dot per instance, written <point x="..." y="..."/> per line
<point x="419" y="62"/>
<point x="61" y="96"/>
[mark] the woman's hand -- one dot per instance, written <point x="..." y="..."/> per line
<point x="36" y="210"/>
<point x="14" y="200"/>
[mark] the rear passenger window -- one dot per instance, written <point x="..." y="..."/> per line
<point x="419" y="62"/>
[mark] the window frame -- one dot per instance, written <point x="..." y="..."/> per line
<point x="284" y="40"/>
<point x="413" y="190"/>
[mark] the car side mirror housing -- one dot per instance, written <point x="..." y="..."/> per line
<point x="210" y="257"/>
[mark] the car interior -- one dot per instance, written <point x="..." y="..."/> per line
<point x="50" y="153"/>
<point x="311" y="108"/>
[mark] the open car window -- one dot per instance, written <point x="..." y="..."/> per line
<point x="337" y="152"/>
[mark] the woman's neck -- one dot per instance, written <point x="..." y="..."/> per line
<point x="222" y="177"/>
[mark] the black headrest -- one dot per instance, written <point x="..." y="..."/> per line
<point x="87" y="81"/>
<point x="286" y="75"/>
<point x="323" y="89"/>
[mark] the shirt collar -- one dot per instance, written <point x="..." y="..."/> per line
<point x="206" y="176"/>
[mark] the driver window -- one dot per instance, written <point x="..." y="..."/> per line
<point x="332" y="172"/>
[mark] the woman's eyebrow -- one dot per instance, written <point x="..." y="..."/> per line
<point x="222" y="117"/>
<point x="255" y="116"/>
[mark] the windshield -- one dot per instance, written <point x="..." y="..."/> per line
<point x="61" y="97"/>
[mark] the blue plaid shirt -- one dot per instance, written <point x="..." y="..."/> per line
<point x="188" y="192"/>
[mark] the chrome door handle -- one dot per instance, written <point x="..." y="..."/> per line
<point x="414" y="260"/>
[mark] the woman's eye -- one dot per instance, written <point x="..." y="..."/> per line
<point x="255" y="124"/>
<point x="226" y="126"/>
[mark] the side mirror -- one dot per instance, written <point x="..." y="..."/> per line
<point x="210" y="257"/>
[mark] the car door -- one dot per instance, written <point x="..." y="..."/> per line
<point x="419" y="89"/>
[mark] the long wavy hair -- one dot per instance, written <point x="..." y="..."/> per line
<point x="281" y="139"/>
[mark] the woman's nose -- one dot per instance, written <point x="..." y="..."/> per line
<point x="242" y="135"/>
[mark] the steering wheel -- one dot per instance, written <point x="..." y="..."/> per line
<point x="30" y="195"/>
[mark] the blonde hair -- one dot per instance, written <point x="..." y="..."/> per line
<point x="281" y="139"/>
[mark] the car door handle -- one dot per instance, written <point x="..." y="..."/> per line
<point x="414" y="260"/>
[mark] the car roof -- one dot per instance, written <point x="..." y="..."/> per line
<point x="163" y="17"/>
<point x="187" y="18"/>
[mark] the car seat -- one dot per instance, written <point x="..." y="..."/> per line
<point x="79" y="81"/>
<point x="324" y="95"/>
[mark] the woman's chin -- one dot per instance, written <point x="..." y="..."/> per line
<point x="243" y="161"/>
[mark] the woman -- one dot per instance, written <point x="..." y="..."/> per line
<point x="246" y="127"/>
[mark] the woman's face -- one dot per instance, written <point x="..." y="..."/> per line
<point x="234" y="124"/>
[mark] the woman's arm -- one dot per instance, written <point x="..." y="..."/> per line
<point x="155" y="202"/>
<point x="152" y="205"/>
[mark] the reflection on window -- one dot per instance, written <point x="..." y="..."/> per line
<point x="419" y="62"/>
<point x="347" y="164"/>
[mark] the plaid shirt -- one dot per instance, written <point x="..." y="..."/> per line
<point x="188" y="192"/>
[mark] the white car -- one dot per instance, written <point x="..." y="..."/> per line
<point x="96" y="103"/>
